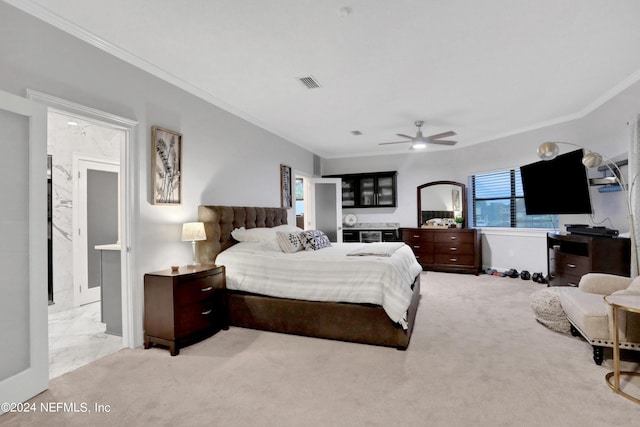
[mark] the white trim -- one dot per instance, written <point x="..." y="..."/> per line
<point x="132" y="297"/>
<point x="516" y="232"/>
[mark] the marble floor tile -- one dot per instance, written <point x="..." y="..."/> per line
<point x="77" y="337"/>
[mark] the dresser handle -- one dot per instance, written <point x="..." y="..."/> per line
<point x="416" y="235"/>
<point x="416" y="246"/>
<point x="453" y="237"/>
<point x="571" y="265"/>
<point x="453" y="249"/>
<point x="207" y="289"/>
<point x="453" y="259"/>
<point x="204" y="313"/>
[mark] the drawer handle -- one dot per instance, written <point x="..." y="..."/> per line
<point x="207" y="289"/>
<point x="572" y="284"/>
<point x="416" y="246"/>
<point x="204" y="313"/>
<point x="416" y="235"/>
<point x="453" y="249"/>
<point x="417" y="256"/>
<point x="453" y="259"/>
<point x="571" y="265"/>
<point x="453" y="237"/>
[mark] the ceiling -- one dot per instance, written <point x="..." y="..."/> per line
<point x="484" y="69"/>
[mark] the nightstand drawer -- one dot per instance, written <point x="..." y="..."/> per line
<point x="190" y="291"/>
<point x="196" y="317"/>
<point x="571" y="264"/>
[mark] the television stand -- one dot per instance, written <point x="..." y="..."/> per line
<point x="570" y="256"/>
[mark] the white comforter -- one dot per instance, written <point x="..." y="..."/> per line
<point x="327" y="274"/>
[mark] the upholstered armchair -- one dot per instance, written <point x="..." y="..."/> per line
<point x="591" y="317"/>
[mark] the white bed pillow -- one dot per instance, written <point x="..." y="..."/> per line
<point x="314" y="240"/>
<point x="258" y="234"/>
<point x="289" y="242"/>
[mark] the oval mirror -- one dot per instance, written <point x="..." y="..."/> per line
<point x="440" y="202"/>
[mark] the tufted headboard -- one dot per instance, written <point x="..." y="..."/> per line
<point x="219" y="221"/>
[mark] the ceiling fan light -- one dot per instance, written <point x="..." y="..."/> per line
<point x="419" y="145"/>
<point x="548" y="150"/>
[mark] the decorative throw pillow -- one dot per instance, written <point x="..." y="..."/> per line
<point x="289" y="242"/>
<point x="312" y="240"/>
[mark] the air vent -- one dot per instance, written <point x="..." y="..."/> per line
<point x="309" y="82"/>
<point x="356" y="132"/>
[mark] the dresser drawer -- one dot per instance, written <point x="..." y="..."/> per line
<point x="453" y="236"/>
<point x="453" y="248"/>
<point x="416" y="236"/>
<point x="569" y="264"/>
<point x="453" y="259"/>
<point x="194" y="290"/>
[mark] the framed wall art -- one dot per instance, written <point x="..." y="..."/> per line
<point x="285" y="187"/>
<point x="166" y="166"/>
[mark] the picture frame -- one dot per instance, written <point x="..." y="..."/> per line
<point x="285" y="187"/>
<point x="166" y="166"/>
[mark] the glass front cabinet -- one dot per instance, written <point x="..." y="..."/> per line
<point x="368" y="190"/>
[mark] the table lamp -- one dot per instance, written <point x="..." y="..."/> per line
<point x="192" y="231"/>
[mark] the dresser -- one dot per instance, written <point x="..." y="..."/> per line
<point x="456" y="250"/>
<point x="183" y="307"/>
<point x="570" y="256"/>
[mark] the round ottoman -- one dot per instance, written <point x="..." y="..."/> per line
<point x="547" y="309"/>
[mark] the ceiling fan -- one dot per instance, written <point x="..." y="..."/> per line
<point x="420" y="141"/>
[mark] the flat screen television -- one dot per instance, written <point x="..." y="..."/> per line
<point x="558" y="186"/>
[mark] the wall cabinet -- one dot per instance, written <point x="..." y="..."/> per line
<point x="368" y="190"/>
<point x="456" y="250"/>
<point x="570" y="256"/>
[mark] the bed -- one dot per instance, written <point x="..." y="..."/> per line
<point x="367" y="323"/>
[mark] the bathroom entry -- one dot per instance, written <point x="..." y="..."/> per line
<point x="95" y="222"/>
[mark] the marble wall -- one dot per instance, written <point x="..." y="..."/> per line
<point x="64" y="138"/>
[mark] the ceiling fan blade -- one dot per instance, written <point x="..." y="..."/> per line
<point x="405" y="136"/>
<point x="443" y="142"/>
<point x="399" y="142"/>
<point x="443" y="135"/>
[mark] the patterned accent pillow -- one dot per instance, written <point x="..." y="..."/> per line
<point x="312" y="240"/>
<point x="289" y="242"/>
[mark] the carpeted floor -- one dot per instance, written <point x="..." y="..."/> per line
<point x="477" y="358"/>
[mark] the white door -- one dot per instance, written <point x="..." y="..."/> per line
<point x="24" y="353"/>
<point x="86" y="287"/>
<point x="323" y="206"/>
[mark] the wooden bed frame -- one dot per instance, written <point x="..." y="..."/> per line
<point x="361" y="323"/>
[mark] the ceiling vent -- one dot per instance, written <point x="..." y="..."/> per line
<point x="309" y="82"/>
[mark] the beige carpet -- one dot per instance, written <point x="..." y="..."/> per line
<point x="477" y="358"/>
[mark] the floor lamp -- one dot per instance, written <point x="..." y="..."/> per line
<point x="592" y="159"/>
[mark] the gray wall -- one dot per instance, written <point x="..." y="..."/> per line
<point x="604" y="129"/>
<point x="226" y="160"/>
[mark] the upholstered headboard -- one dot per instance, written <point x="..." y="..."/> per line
<point x="219" y="221"/>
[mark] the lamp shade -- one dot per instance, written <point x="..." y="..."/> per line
<point x="193" y="231"/>
<point x="548" y="150"/>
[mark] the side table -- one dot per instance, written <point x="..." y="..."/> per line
<point x="629" y="303"/>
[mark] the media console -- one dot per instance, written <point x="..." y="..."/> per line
<point x="570" y="256"/>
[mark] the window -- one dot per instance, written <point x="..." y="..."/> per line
<point x="498" y="201"/>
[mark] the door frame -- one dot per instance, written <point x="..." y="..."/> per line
<point x="132" y="302"/>
<point x="35" y="378"/>
<point x="310" y="203"/>
<point x="82" y="294"/>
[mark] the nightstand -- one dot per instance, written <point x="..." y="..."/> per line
<point x="183" y="307"/>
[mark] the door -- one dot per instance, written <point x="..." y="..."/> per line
<point x="96" y="216"/>
<point x="23" y="253"/>
<point x="323" y="206"/>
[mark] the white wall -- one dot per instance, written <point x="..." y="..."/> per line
<point x="226" y="160"/>
<point x="604" y="129"/>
